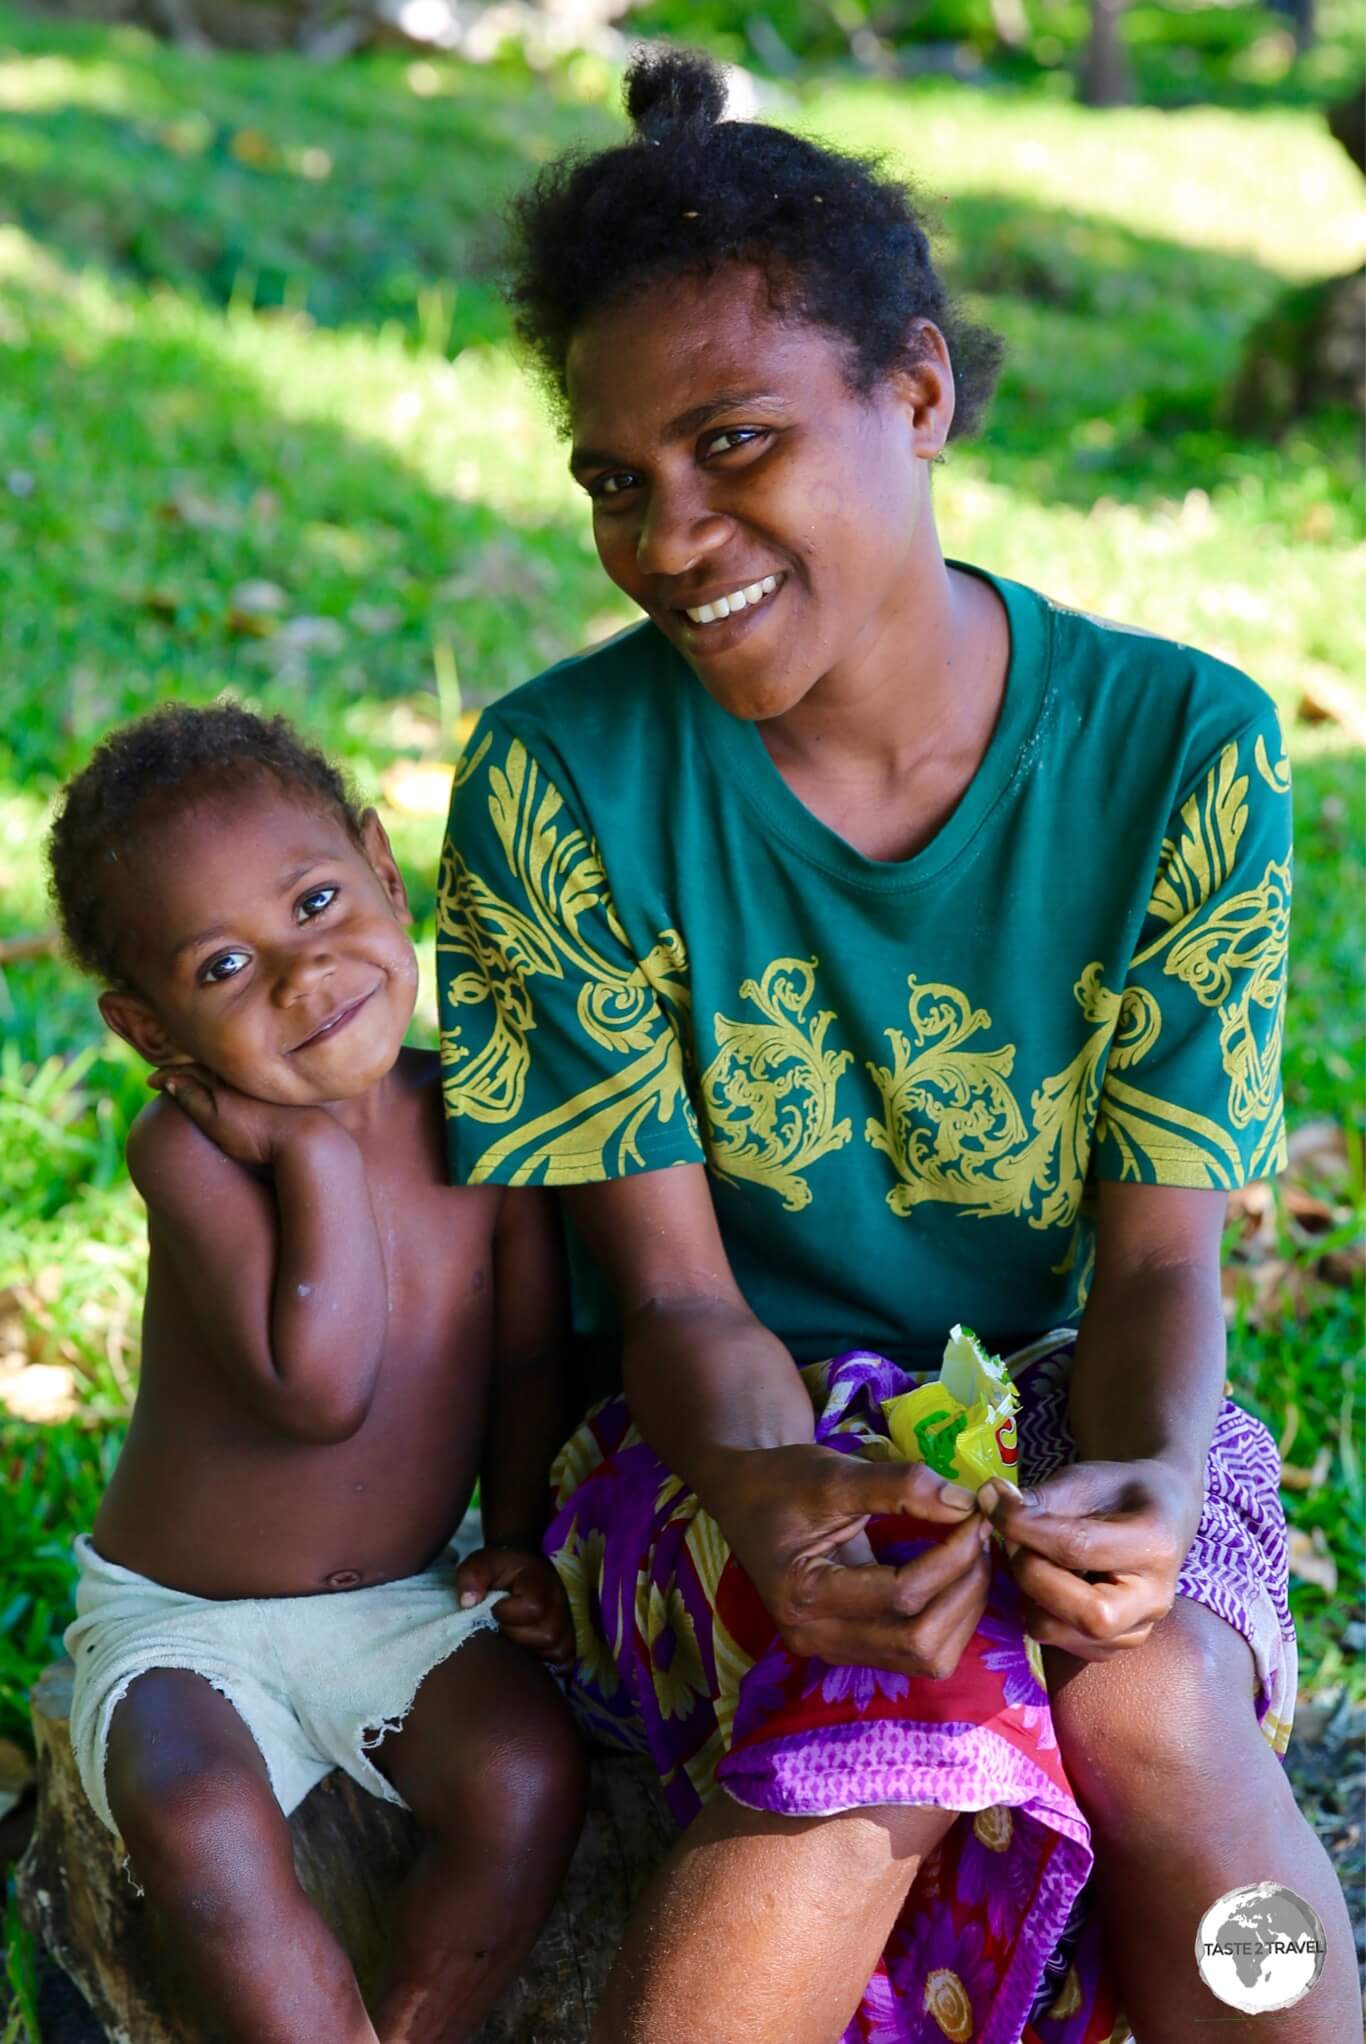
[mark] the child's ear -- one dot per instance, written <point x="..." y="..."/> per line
<point x="134" y="1021"/>
<point x="375" y="842"/>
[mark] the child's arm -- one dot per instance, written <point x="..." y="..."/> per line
<point x="527" y="1422"/>
<point x="282" y="1275"/>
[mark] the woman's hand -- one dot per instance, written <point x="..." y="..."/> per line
<point x="791" y="1514"/>
<point x="1096" y="1550"/>
<point x="249" y="1130"/>
<point x="535" y="1611"/>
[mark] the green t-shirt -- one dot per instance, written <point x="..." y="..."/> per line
<point x="901" y="1075"/>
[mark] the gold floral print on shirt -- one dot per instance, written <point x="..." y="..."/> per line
<point x="954" y="1130"/>
<point x="768" y="1096"/>
<point x="953" y="1127"/>
<point x="1230" y="952"/>
<point x="492" y="953"/>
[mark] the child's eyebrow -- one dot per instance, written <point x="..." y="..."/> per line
<point x="291" y="877"/>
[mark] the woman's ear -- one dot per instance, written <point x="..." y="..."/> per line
<point x="375" y="844"/>
<point x="926" y="390"/>
<point x="131" y="1018"/>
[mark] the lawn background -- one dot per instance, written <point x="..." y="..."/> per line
<point x="261" y="430"/>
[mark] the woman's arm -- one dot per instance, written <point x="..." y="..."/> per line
<point x="1103" y="1541"/>
<point x="529" y="1412"/>
<point x="719" y="1399"/>
<point x="282" y="1273"/>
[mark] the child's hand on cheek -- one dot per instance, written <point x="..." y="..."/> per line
<point x="535" y="1611"/>
<point x="252" y="1131"/>
<point x="1096" y="1550"/>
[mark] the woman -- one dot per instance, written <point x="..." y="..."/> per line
<point x="865" y="944"/>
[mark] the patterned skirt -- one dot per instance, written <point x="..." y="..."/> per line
<point x="677" y="1659"/>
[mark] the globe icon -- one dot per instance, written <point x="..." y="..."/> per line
<point x="1260" y="1948"/>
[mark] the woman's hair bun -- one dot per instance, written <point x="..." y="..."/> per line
<point x="667" y="88"/>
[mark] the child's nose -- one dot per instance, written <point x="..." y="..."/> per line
<point x="298" y="973"/>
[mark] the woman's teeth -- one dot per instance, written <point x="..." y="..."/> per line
<point x="707" y="613"/>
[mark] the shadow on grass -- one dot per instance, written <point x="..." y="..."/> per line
<point x="343" y="193"/>
<point x="151" y="475"/>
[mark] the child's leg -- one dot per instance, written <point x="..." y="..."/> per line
<point x="490" y="1764"/>
<point x="1186" y="1800"/>
<point x="209" y="1844"/>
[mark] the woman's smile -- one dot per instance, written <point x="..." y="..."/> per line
<point x="761" y="511"/>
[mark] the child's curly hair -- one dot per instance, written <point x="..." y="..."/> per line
<point x="837" y="236"/>
<point x="153" y="767"/>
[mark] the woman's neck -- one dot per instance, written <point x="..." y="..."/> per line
<point x="926" y="679"/>
<point x="884" y="747"/>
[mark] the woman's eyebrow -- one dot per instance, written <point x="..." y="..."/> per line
<point x="682" y="427"/>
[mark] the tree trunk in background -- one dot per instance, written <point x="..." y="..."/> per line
<point x="1106" y="76"/>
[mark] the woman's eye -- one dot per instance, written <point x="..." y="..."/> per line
<point x="227" y="965"/>
<point x="733" y="436"/>
<point x="313" y="904"/>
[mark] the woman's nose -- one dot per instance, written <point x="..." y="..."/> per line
<point x="678" y="530"/>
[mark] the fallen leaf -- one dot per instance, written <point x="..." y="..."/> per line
<point x="1318" y="1146"/>
<point x="42" y="1394"/>
<point x="1295" y="1477"/>
<point x="1343" y="1266"/>
<point x="1311" y="1216"/>
<point x="1311" y="1560"/>
<point x="259" y="597"/>
<point x="251" y="147"/>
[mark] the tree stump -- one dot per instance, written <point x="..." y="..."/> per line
<point x="351" y="1851"/>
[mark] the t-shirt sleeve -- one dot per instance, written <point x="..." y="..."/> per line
<point x="563" y="1059"/>
<point x="1192" y="1089"/>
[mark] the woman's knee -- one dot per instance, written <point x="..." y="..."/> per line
<point x="1154" y="1733"/>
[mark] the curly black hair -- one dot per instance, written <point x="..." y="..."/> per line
<point x="146" y="772"/>
<point x="838" y="237"/>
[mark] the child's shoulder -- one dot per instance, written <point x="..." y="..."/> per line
<point x="166" y="1154"/>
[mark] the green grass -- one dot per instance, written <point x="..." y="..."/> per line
<point x="249" y="333"/>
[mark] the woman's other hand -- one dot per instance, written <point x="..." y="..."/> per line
<point x="795" y="1517"/>
<point x="534" y="1612"/>
<point x="1096" y="1550"/>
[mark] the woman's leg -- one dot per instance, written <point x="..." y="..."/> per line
<point x="490" y="1765"/>
<point x="211" y="1848"/>
<point x="1186" y="1800"/>
<point x="764" y="1927"/>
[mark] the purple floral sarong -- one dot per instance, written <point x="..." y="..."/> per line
<point x="677" y="1658"/>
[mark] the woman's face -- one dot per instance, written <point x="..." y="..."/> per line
<point x="763" y="514"/>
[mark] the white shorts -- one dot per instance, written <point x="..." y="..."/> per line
<point x="316" y="1680"/>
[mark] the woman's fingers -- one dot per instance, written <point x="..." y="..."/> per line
<point x="873" y="1490"/>
<point x="872" y="1615"/>
<point x="1096" y="1611"/>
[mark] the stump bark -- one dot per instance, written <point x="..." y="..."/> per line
<point x="351" y="1852"/>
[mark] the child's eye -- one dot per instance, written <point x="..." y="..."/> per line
<point x="613" y="485"/>
<point x="314" y="903"/>
<point x="227" y="965"/>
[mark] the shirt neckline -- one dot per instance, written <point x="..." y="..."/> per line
<point x="743" y="759"/>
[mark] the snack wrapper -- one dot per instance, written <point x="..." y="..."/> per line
<point x="962" y="1423"/>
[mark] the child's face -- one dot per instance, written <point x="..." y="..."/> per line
<point x="267" y="946"/>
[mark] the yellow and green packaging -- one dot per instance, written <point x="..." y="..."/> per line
<point x="962" y="1424"/>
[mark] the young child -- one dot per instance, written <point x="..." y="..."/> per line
<point x="332" y="1333"/>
